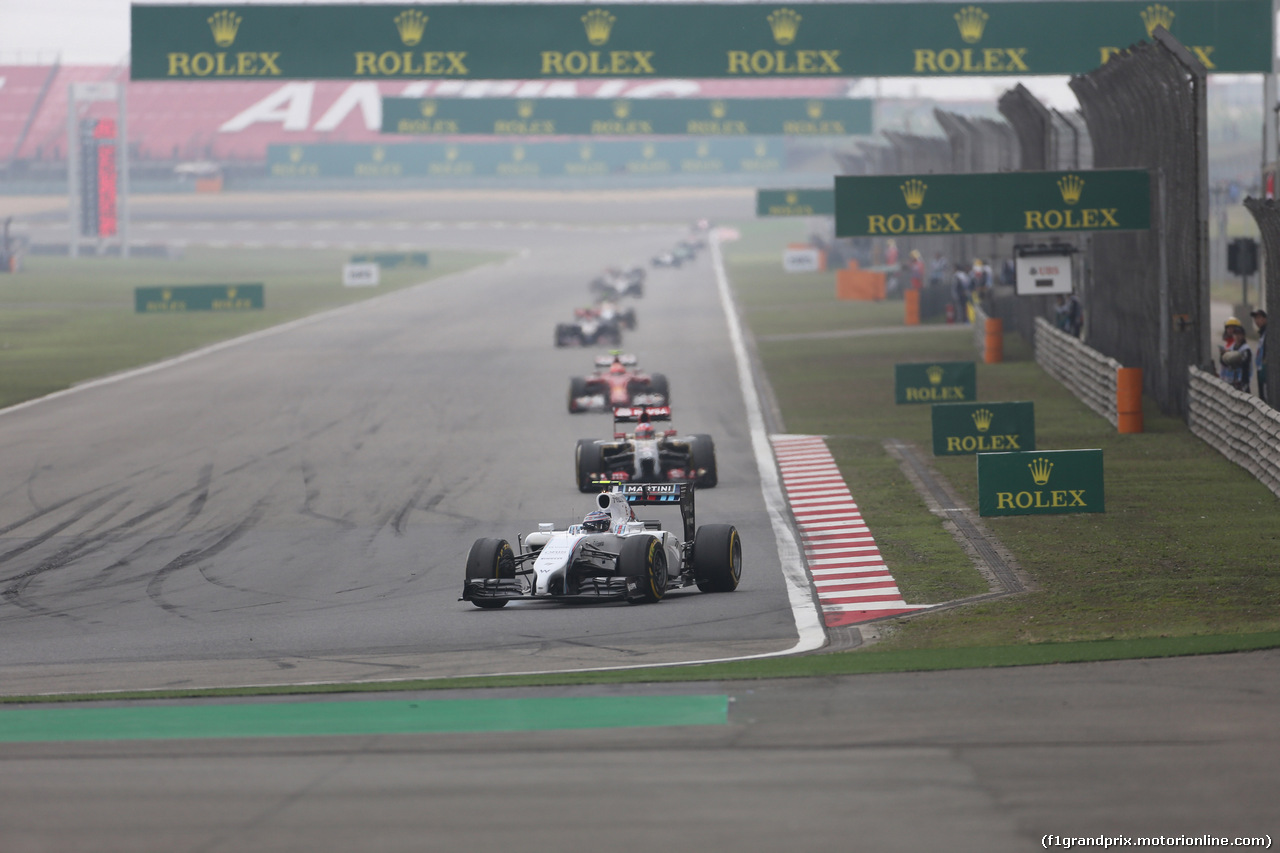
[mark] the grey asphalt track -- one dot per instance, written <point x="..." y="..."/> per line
<point x="298" y="507"/>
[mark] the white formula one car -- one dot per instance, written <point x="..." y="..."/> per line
<point x="646" y="455"/>
<point x="610" y="555"/>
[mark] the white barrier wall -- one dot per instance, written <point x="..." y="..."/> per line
<point x="1085" y="372"/>
<point x="1238" y="425"/>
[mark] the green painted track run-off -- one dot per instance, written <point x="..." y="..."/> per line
<point x="295" y="719"/>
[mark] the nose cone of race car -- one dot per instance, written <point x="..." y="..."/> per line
<point x="553" y="560"/>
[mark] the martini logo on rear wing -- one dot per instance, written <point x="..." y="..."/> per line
<point x="656" y="494"/>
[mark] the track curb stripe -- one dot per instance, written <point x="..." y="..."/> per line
<point x="846" y="568"/>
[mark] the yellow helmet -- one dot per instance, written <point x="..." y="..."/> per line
<point x="1232" y="321"/>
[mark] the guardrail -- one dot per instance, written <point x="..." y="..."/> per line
<point x="1236" y="424"/>
<point x="1085" y="372"/>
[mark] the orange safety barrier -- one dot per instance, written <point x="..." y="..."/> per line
<point x="993" y="350"/>
<point x="209" y="185"/>
<point x="856" y="284"/>
<point x="1129" y="399"/>
<point x="911" y="307"/>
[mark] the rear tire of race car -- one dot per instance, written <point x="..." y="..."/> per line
<point x="643" y="558"/>
<point x="629" y="319"/>
<point x="658" y="385"/>
<point x="717" y="558"/>
<point x="490" y="558"/>
<point x="577" y="390"/>
<point x="564" y="334"/>
<point x="703" y="452"/>
<point x="588" y="464"/>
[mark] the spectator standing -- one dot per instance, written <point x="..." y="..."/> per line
<point x="917" y="270"/>
<point x="961" y="285"/>
<point x="938" y="270"/>
<point x="1260" y="320"/>
<point x="1234" y="356"/>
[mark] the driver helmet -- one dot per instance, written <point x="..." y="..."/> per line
<point x="617" y="367"/>
<point x="644" y="430"/>
<point x="596" y="521"/>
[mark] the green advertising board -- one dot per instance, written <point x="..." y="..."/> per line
<point x="627" y="117"/>
<point x="966" y="428"/>
<point x="719" y="155"/>
<point x="935" y="382"/>
<point x="795" y="203"/>
<point x="993" y="203"/>
<point x="392" y="260"/>
<point x="662" y="40"/>
<point x="197" y="297"/>
<point x="1043" y="482"/>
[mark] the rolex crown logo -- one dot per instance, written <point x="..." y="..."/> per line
<point x="524" y="109"/>
<point x="972" y="21"/>
<point x="648" y="151"/>
<point x="166" y="295"/>
<point x="719" y="109"/>
<point x="982" y="419"/>
<point x="1157" y="15"/>
<point x="762" y="148"/>
<point x="934" y="373"/>
<point x="231" y="293"/>
<point x="429" y="108"/>
<point x="378" y="154"/>
<point x="913" y="192"/>
<point x="585" y="152"/>
<point x="703" y="149"/>
<point x="224" y="25"/>
<point x="1071" y="186"/>
<point x="792" y="198"/>
<point x="621" y="109"/>
<point x="814" y="109"/>
<point x="295" y="154"/>
<point x="1040" y="470"/>
<point x="598" y="23"/>
<point x="451" y="153"/>
<point x="410" y="25"/>
<point x="517" y="153"/>
<point x="785" y="23"/>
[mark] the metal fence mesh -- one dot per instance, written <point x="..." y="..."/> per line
<point x="1266" y="212"/>
<point x="1147" y="299"/>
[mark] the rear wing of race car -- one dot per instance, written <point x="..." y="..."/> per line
<point x="641" y="414"/>
<point x="623" y="358"/>
<point x="663" y="494"/>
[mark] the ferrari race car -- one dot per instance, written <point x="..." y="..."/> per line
<point x="610" y="555"/>
<point x="616" y="383"/>
<point x="589" y="328"/>
<point x="645" y="456"/>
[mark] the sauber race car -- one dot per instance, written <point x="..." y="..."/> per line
<point x="610" y="555"/>
<point x="645" y="456"/>
<point x="616" y="383"/>
<point x="589" y="328"/>
<point x="616" y="283"/>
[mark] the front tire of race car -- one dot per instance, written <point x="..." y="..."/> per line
<point x="703" y="452"/>
<point x="717" y="558"/>
<point x="490" y="558"/>
<point x="643" y="558"/>
<point x="577" y="390"/>
<point x="588" y="464"/>
<point x="658" y="385"/>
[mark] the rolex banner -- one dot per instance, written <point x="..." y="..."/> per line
<point x="635" y="117"/>
<point x="993" y="203"/>
<point x="795" y="203"/>
<point x="527" y="41"/>
<point x="197" y="297"/>
<point x="965" y="428"/>
<point x="585" y="158"/>
<point x="1043" y="482"/>
<point x="935" y="382"/>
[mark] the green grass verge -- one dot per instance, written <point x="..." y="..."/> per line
<point x="1181" y="551"/>
<point x="875" y="660"/>
<point x="64" y="321"/>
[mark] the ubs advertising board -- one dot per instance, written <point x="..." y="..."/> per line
<point x="993" y="203"/>
<point x="1042" y="482"/>
<point x="935" y="382"/>
<point x="961" y="429"/>
<point x="505" y="41"/>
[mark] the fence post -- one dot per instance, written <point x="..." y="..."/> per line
<point x="1129" y="399"/>
<point x="993" y="352"/>
<point x="911" y="307"/>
